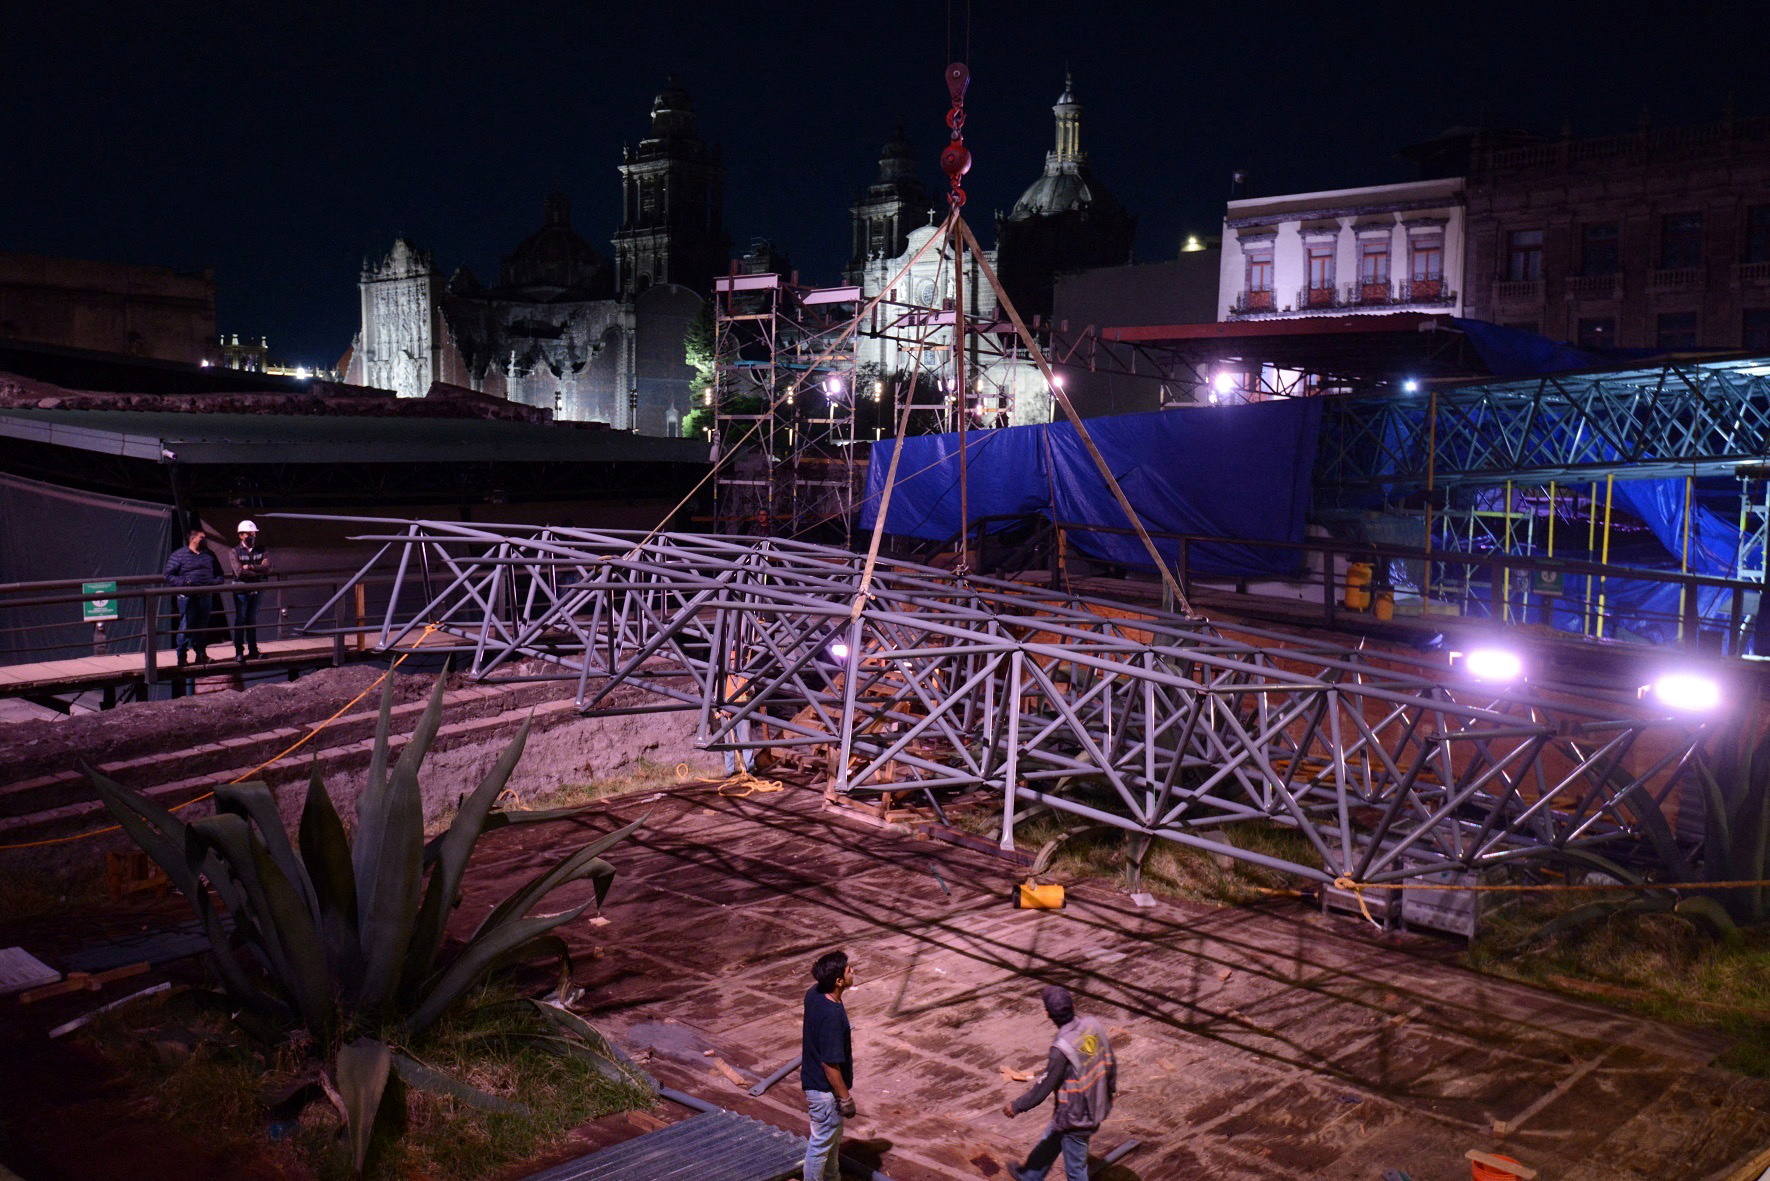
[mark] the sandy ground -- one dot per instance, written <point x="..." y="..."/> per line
<point x="1253" y="1043"/>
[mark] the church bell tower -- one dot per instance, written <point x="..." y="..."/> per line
<point x="672" y="204"/>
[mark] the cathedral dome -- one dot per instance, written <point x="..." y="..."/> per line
<point x="672" y="114"/>
<point x="1067" y="185"/>
<point x="555" y="256"/>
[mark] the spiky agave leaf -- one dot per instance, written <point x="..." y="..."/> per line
<point x="361" y="1072"/>
<point x="426" y="1078"/>
<point x="325" y="851"/>
<point x="389" y="862"/>
<point x="283" y="927"/>
<point x="453" y="853"/>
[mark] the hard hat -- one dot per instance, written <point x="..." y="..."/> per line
<point x="247" y="527"/>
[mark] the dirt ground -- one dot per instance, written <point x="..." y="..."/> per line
<point x="1253" y="1043"/>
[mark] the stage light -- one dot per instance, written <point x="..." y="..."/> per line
<point x="1689" y="692"/>
<point x="838" y="651"/>
<point x="1410" y="386"/>
<point x="1224" y="382"/>
<point x="833" y="387"/>
<point x="1494" y="664"/>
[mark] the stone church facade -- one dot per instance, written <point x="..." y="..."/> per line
<point x="1065" y="220"/>
<point x="563" y="328"/>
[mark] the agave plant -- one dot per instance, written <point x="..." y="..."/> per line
<point x="1733" y="775"/>
<point x="344" y="939"/>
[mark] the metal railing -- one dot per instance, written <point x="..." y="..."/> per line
<point x="1253" y="302"/>
<point x="1503" y="588"/>
<point x="146" y="617"/>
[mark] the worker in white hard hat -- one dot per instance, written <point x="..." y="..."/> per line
<point x="250" y="564"/>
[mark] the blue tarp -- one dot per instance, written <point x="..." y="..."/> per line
<point x="1226" y="471"/>
<point x="1513" y="352"/>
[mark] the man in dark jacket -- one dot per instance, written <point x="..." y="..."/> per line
<point x="194" y="565"/>
<point x="1083" y="1074"/>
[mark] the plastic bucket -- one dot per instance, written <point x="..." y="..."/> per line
<point x="1481" y="1172"/>
<point x="1358" y="581"/>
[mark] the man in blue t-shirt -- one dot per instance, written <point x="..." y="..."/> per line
<point x="826" y="1064"/>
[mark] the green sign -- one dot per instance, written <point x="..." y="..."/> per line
<point x="98" y="610"/>
<point x="1548" y="582"/>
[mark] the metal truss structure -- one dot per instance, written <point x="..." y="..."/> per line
<point x="918" y="680"/>
<point x="1696" y="419"/>
<point x="783" y="402"/>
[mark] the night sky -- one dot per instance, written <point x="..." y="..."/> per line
<point x="282" y="143"/>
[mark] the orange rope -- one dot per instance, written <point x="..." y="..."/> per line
<point x="243" y="776"/>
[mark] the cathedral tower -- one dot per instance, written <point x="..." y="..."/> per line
<point x="672" y="205"/>
<point x="887" y="211"/>
<point x="1065" y="221"/>
<point x="402" y="335"/>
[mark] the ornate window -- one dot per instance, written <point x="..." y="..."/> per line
<point x="1598" y="249"/>
<point x="1320" y="269"/>
<point x="1524" y="255"/>
<point x="1680" y="241"/>
<point x="1677" y="330"/>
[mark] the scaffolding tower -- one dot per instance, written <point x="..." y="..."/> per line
<point x="783" y="407"/>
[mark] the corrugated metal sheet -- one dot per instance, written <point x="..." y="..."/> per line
<point x="714" y="1146"/>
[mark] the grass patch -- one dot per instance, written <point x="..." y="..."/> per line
<point x="1169" y="869"/>
<point x="218" y="1091"/>
<point x="1657" y="965"/>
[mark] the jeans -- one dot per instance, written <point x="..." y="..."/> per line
<point x="246" y="621"/>
<point x="1072" y="1145"/>
<point x="193" y="622"/>
<point x="821" y="1162"/>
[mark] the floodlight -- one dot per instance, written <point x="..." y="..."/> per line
<point x="1410" y="386"/>
<point x="1690" y="692"/>
<point x="1494" y="664"/>
<point x="838" y="650"/>
<point x="1223" y="382"/>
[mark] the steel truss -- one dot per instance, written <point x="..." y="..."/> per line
<point x="1696" y="419"/>
<point x="783" y="397"/>
<point x="1151" y="723"/>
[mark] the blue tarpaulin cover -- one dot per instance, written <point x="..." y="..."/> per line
<point x="1224" y="471"/>
<point x="1513" y="352"/>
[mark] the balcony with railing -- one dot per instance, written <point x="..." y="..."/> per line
<point x="1254" y="303"/>
<point x="1369" y="293"/>
<point x="1751" y="272"/>
<point x="1594" y="286"/>
<point x="1318" y="298"/>
<point x="1435" y="292"/>
<point x="1674" y="278"/>
<point x="1517" y="290"/>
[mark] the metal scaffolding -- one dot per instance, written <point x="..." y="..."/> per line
<point x="905" y="678"/>
<point x="783" y="407"/>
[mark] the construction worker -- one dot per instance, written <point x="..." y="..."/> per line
<point x="250" y="564"/>
<point x="1082" y="1073"/>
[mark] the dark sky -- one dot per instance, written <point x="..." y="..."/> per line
<point x="280" y="143"/>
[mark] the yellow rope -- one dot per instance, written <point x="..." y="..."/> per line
<point x="752" y="785"/>
<point x="243" y="776"/>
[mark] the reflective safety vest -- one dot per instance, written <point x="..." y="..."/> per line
<point x="1085" y="1099"/>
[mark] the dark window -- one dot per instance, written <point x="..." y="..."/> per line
<point x="1373" y="262"/>
<point x="1680" y="241"/>
<point x="1524" y="255"/>
<point x="1677" y="330"/>
<point x="1259" y="272"/>
<point x="1757" y="234"/>
<point x="1598" y="251"/>
<point x="1597" y="334"/>
<point x="1428" y="257"/>
<point x="1755" y="330"/>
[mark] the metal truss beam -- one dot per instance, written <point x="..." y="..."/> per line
<point x="1697" y="419"/>
<point x="1152" y="723"/>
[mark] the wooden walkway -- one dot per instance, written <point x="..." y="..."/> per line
<point x="116" y="670"/>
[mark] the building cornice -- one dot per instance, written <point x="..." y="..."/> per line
<point x="1273" y="219"/>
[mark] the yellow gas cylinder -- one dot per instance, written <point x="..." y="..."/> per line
<point x="1383" y="603"/>
<point x="1358" y="582"/>
<point x="1036" y="897"/>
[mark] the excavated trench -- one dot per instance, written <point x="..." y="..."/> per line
<point x="178" y="751"/>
